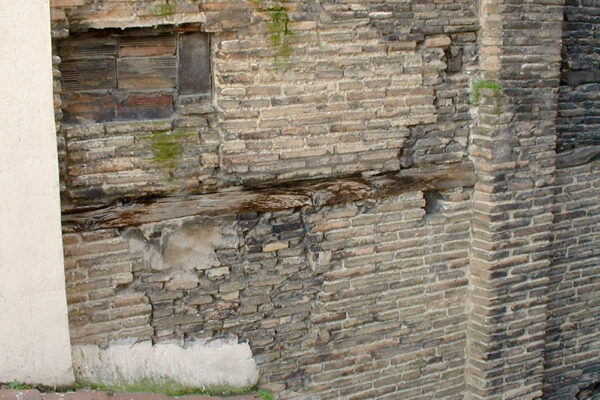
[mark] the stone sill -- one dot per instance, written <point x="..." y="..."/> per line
<point x="311" y="193"/>
<point x="136" y="21"/>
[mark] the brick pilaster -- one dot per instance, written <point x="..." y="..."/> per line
<point x="512" y="147"/>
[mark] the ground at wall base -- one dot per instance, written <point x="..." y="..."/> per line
<point x="33" y="394"/>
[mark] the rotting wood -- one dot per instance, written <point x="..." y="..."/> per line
<point x="314" y="193"/>
<point x="578" y="156"/>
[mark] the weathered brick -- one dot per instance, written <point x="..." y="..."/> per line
<point x="381" y="87"/>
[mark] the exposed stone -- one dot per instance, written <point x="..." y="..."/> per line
<point x="182" y="280"/>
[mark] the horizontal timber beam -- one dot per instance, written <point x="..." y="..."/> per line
<point x="313" y="193"/>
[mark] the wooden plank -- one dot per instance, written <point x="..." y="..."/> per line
<point x="78" y="75"/>
<point x="147" y="72"/>
<point x="144" y="105"/>
<point x="305" y="193"/>
<point x="194" y="64"/>
<point x="86" y="47"/>
<point x="147" y="46"/>
<point x="88" y="107"/>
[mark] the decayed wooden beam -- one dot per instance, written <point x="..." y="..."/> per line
<point x="314" y="193"/>
<point x="578" y="156"/>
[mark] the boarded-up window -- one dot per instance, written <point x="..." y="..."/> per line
<point x="194" y="65"/>
<point x="136" y="74"/>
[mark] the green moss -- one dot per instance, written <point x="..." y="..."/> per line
<point x="163" y="9"/>
<point x="279" y="20"/>
<point x="167" y="147"/>
<point x="279" y="33"/>
<point x="168" y="387"/>
<point x="484" y="84"/>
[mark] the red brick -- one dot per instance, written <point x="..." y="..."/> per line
<point x="30" y="394"/>
<point x="86" y="395"/>
<point x="139" y="396"/>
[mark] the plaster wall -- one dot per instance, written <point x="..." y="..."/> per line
<point x="34" y="336"/>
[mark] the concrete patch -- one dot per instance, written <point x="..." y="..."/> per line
<point x="182" y="244"/>
<point x="198" y="364"/>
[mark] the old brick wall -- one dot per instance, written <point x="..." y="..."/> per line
<point x="513" y="153"/>
<point x="364" y="283"/>
<point x="334" y="89"/>
<point x="572" y="362"/>
<point x="357" y="300"/>
<point x="579" y="116"/>
<point x="572" y="355"/>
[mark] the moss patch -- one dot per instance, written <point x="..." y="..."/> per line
<point x="484" y="84"/>
<point x="163" y="9"/>
<point x="280" y="36"/>
<point x="167" y="146"/>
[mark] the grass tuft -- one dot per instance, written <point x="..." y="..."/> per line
<point x="484" y="84"/>
<point x="265" y="395"/>
<point x="16" y="385"/>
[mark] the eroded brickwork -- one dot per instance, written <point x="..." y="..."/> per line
<point x="579" y="117"/>
<point x="572" y="358"/>
<point x="361" y="88"/>
<point x="354" y="301"/>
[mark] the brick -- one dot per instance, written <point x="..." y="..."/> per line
<point x="275" y="246"/>
<point x="139" y="396"/>
<point x="28" y="394"/>
<point x="438" y="41"/>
